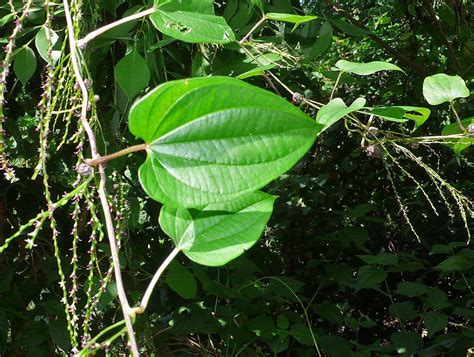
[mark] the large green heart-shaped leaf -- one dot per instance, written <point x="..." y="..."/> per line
<point x="220" y="232"/>
<point x="214" y="139"/>
<point x="441" y="88"/>
<point x="192" y="21"/>
<point x="337" y="109"/>
<point x="364" y="69"/>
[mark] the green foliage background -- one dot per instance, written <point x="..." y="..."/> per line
<point x="338" y="263"/>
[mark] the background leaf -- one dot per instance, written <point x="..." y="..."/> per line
<point x="181" y="280"/>
<point x="132" y="74"/>
<point x="364" y="69"/>
<point x="24" y="65"/>
<point x="403" y="113"/>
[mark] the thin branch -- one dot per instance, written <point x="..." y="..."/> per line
<point x="458" y="119"/>
<point x="101" y="189"/>
<point x="336" y="84"/>
<point x="395" y="53"/>
<point x="90" y="36"/>
<point x="103" y="159"/>
<point x="367" y="128"/>
<point x="245" y="38"/>
<point x="146" y="297"/>
<point x="452" y="54"/>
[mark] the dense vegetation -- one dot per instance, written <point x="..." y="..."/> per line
<point x="354" y="117"/>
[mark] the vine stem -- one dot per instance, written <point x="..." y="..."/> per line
<point x="103" y="159"/>
<point x="336" y="84"/>
<point x="245" y="38"/>
<point x="91" y="35"/>
<point x="127" y="312"/>
<point x="149" y="290"/>
<point x="458" y="119"/>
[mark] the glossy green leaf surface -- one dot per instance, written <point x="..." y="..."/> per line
<point x="214" y="139"/>
<point x="336" y="109"/>
<point x="403" y="113"/>
<point x="201" y="6"/>
<point x="364" y="69"/>
<point x="192" y="21"/>
<point x="132" y="74"/>
<point x="442" y="88"/>
<point x="25" y="64"/>
<point x="220" y="232"/>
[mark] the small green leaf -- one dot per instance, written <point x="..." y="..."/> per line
<point x="364" y="69"/>
<point x="291" y="18"/>
<point x="283" y="322"/>
<point x="24" y="65"/>
<point x="403" y="113"/>
<point x="403" y="310"/>
<point x="380" y="259"/>
<point x="259" y="71"/>
<point x="406" y="343"/>
<point x="132" y="74"/>
<point x="302" y="334"/>
<point x="59" y="333"/>
<point x="411" y="289"/>
<point x="369" y="277"/>
<point x="215" y="139"/>
<point x="336" y="109"/>
<point x="181" y="280"/>
<point x="454" y="263"/>
<point x="42" y="43"/>
<point x="435" y="321"/>
<point x="218" y="233"/>
<point x="458" y="145"/>
<point x="192" y="22"/>
<point x="442" y="88"/>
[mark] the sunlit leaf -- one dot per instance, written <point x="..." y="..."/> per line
<point x="364" y="69"/>
<point x="192" y="21"/>
<point x="220" y="232"/>
<point x="215" y="139"/>
<point x="403" y="113"/>
<point x="442" y="88"/>
<point x="335" y="110"/>
<point x="43" y="42"/>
